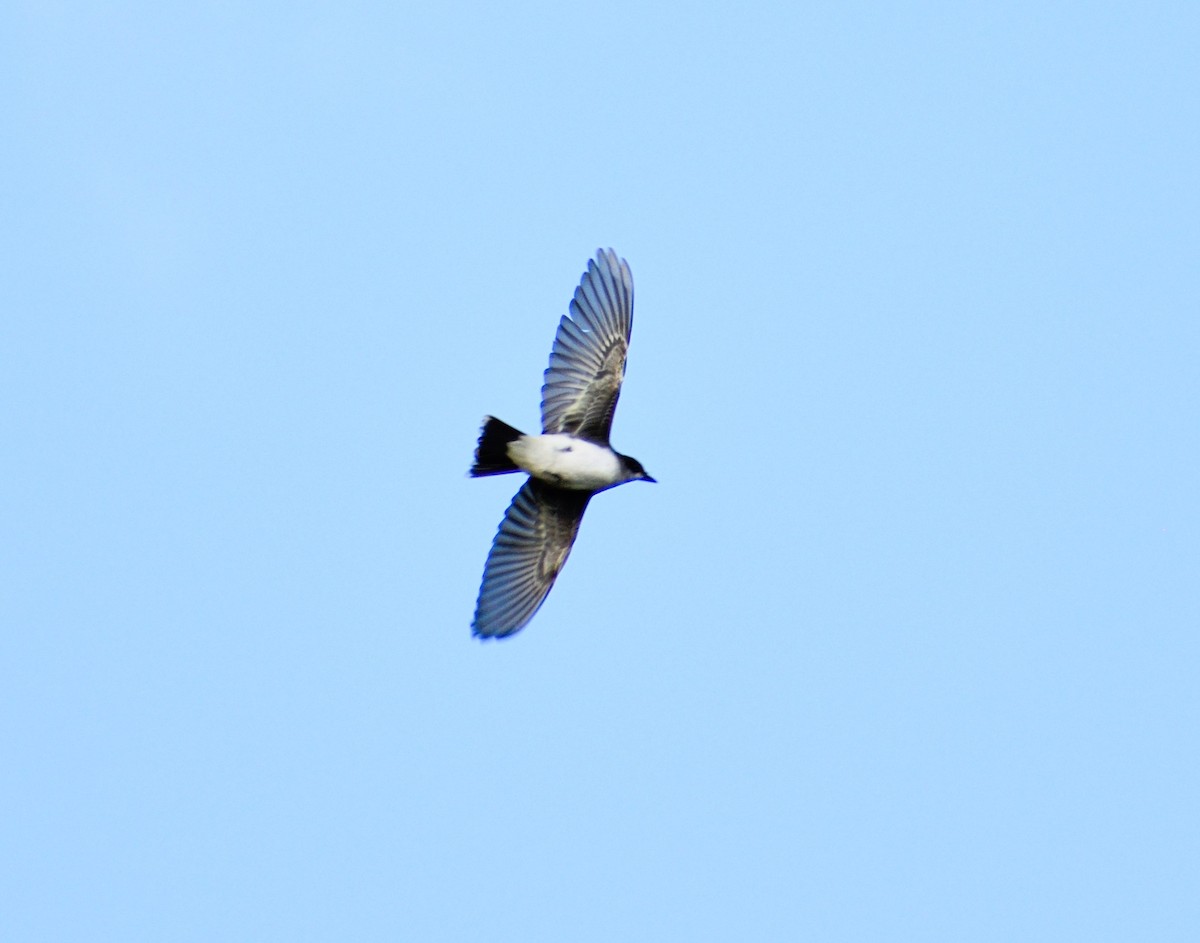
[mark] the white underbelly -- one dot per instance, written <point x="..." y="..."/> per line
<point x="566" y="461"/>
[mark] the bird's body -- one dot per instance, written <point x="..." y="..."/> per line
<point x="570" y="461"/>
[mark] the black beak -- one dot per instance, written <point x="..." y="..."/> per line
<point x="646" y="477"/>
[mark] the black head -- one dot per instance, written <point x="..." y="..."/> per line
<point x="633" y="468"/>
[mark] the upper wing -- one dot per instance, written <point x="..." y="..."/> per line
<point x="587" y="363"/>
<point x="529" y="550"/>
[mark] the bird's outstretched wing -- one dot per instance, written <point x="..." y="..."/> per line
<point x="587" y="362"/>
<point x="530" y="549"/>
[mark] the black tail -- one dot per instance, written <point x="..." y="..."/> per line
<point x="491" y="454"/>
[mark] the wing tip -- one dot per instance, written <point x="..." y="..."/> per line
<point x="613" y="263"/>
<point x="486" y="635"/>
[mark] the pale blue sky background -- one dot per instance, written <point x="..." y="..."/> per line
<point x="904" y="646"/>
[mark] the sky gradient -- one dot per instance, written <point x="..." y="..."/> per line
<point x="903" y="645"/>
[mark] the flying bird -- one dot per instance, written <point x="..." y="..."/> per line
<point x="570" y="461"/>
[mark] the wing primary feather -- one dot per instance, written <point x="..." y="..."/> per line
<point x="530" y="549"/>
<point x="587" y="362"/>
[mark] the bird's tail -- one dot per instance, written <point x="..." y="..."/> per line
<point x="491" y="454"/>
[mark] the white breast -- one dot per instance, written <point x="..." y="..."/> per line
<point x="566" y="461"/>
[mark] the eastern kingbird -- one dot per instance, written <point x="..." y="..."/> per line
<point x="570" y="461"/>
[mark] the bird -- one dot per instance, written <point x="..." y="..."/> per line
<point x="569" y="462"/>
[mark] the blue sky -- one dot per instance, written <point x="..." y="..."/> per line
<point x="902" y="646"/>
